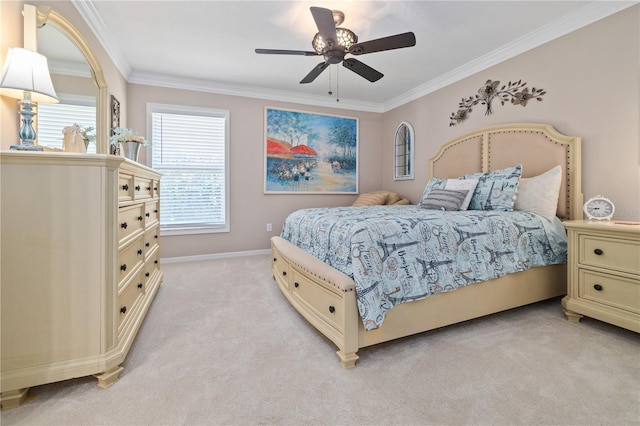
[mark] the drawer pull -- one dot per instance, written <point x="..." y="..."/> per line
<point x="598" y="252"/>
<point x="123" y="225"/>
<point x="155" y="236"/>
<point x="140" y="252"/>
<point x="123" y="267"/>
<point x="137" y="187"/>
<point x="275" y="259"/>
<point x="146" y="275"/>
<point x="147" y="214"/>
<point x="284" y="273"/>
<point x="146" y="244"/>
<point x="332" y="309"/>
<point x="296" y="285"/>
<point x="139" y="285"/>
<point x="155" y="261"/>
<point x="598" y="287"/>
<point x="123" y="310"/>
<point x="140" y="218"/>
<point x="125" y="187"/>
<point x="148" y="188"/>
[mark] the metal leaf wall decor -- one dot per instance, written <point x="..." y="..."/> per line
<point x="516" y="92"/>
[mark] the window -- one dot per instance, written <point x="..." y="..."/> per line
<point x="403" y="152"/>
<point x="72" y="109"/>
<point x="189" y="146"/>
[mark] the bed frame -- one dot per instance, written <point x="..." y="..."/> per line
<point x="327" y="299"/>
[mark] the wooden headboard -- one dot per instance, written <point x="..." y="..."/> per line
<point x="538" y="147"/>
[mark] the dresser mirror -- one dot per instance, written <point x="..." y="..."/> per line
<point x="75" y="71"/>
<point x="403" y="152"/>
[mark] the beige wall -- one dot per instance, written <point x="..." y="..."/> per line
<point x="591" y="77"/>
<point x="250" y="208"/>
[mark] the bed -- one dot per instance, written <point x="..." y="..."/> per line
<point x="327" y="297"/>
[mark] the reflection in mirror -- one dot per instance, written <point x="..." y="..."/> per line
<point x="403" y="152"/>
<point x="77" y="91"/>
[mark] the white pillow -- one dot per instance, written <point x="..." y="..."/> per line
<point x="460" y="184"/>
<point x="539" y="194"/>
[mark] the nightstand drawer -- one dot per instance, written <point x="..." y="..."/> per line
<point x="620" y="255"/>
<point x="614" y="291"/>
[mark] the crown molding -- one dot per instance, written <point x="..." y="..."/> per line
<point x="588" y="14"/>
<point x="584" y="16"/>
<point x="70" y="68"/>
<point x="221" y="88"/>
<point x="91" y="16"/>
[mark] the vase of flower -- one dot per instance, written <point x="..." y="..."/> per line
<point x="126" y="143"/>
<point x="131" y="149"/>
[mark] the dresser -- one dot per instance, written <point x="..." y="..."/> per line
<point x="79" y="265"/>
<point x="603" y="272"/>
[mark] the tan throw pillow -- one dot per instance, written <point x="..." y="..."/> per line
<point x="371" y="199"/>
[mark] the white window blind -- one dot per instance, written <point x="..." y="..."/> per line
<point x="190" y="149"/>
<point x="52" y="118"/>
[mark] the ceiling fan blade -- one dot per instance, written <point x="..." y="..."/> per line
<point x="324" y="22"/>
<point x="362" y="69"/>
<point x="315" y="72"/>
<point x="286" y="52"/>
<point x="397" y="41"/>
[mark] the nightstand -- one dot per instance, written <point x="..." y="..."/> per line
<point x="603" y="272"/>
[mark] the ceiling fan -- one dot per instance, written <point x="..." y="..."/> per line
<point x="333" y="43"/>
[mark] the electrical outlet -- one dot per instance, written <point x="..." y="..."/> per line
<point x="269" y="227"/>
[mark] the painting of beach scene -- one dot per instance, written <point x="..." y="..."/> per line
<point x="310" y="153"/>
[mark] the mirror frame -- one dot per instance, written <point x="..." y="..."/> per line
<point x="408" y="155"/>
<point x="35" y="17"/>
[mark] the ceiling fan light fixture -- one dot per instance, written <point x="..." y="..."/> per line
<point x="346" y="39"/>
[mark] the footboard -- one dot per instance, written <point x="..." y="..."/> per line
<point x="322" y="295"/>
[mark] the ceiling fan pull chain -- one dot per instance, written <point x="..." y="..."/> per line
<point x="337" y="84"/>
<point x="330" y="92"/>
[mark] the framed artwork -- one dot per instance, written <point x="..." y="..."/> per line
<point x="115" y="113"/>
<point x="307" y="153"/>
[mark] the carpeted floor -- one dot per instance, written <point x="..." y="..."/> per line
<point x="221" y="345"/>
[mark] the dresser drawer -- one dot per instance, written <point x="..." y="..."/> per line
<point x="128" y="297"/>
<point x="619" y="255"/>
<point x="125" y="187"/>
<point x="151" y="239"/>
<point x="130" y="222"/>
<point x="151" y="265"/>
<point x="129" y="259"/>
<point x="143" y="188"/>
<point x="156" y="188"/>
<point x="607" y="289"/>
<point x="151" y="212"/>
<point x="326" y="304"/>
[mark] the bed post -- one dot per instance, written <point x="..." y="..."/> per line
<point x="347" y="353"/>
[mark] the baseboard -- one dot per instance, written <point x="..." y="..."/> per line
<point x="214" y="256"/>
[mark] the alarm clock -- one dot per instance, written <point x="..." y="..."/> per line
<point x="599" y="208"/>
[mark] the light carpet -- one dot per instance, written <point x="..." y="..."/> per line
<point x="221" y="345"/>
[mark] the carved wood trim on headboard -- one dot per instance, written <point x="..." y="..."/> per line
<point x="538" y="147"/>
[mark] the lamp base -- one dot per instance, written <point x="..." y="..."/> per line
<point x="26" y="148"/>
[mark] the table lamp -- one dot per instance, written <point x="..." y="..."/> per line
<point x="25" y="76"/>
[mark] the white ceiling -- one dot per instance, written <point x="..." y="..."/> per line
<point x="209" y="45"/>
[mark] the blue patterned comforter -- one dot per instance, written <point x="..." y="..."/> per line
<point x="398" y="254"/>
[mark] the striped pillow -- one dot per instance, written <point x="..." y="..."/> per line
<point x="444" y="199"/>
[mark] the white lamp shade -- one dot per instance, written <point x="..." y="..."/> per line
<point x="27" y="70"/>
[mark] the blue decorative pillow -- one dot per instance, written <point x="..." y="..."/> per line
<point x="496" y="190"/>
